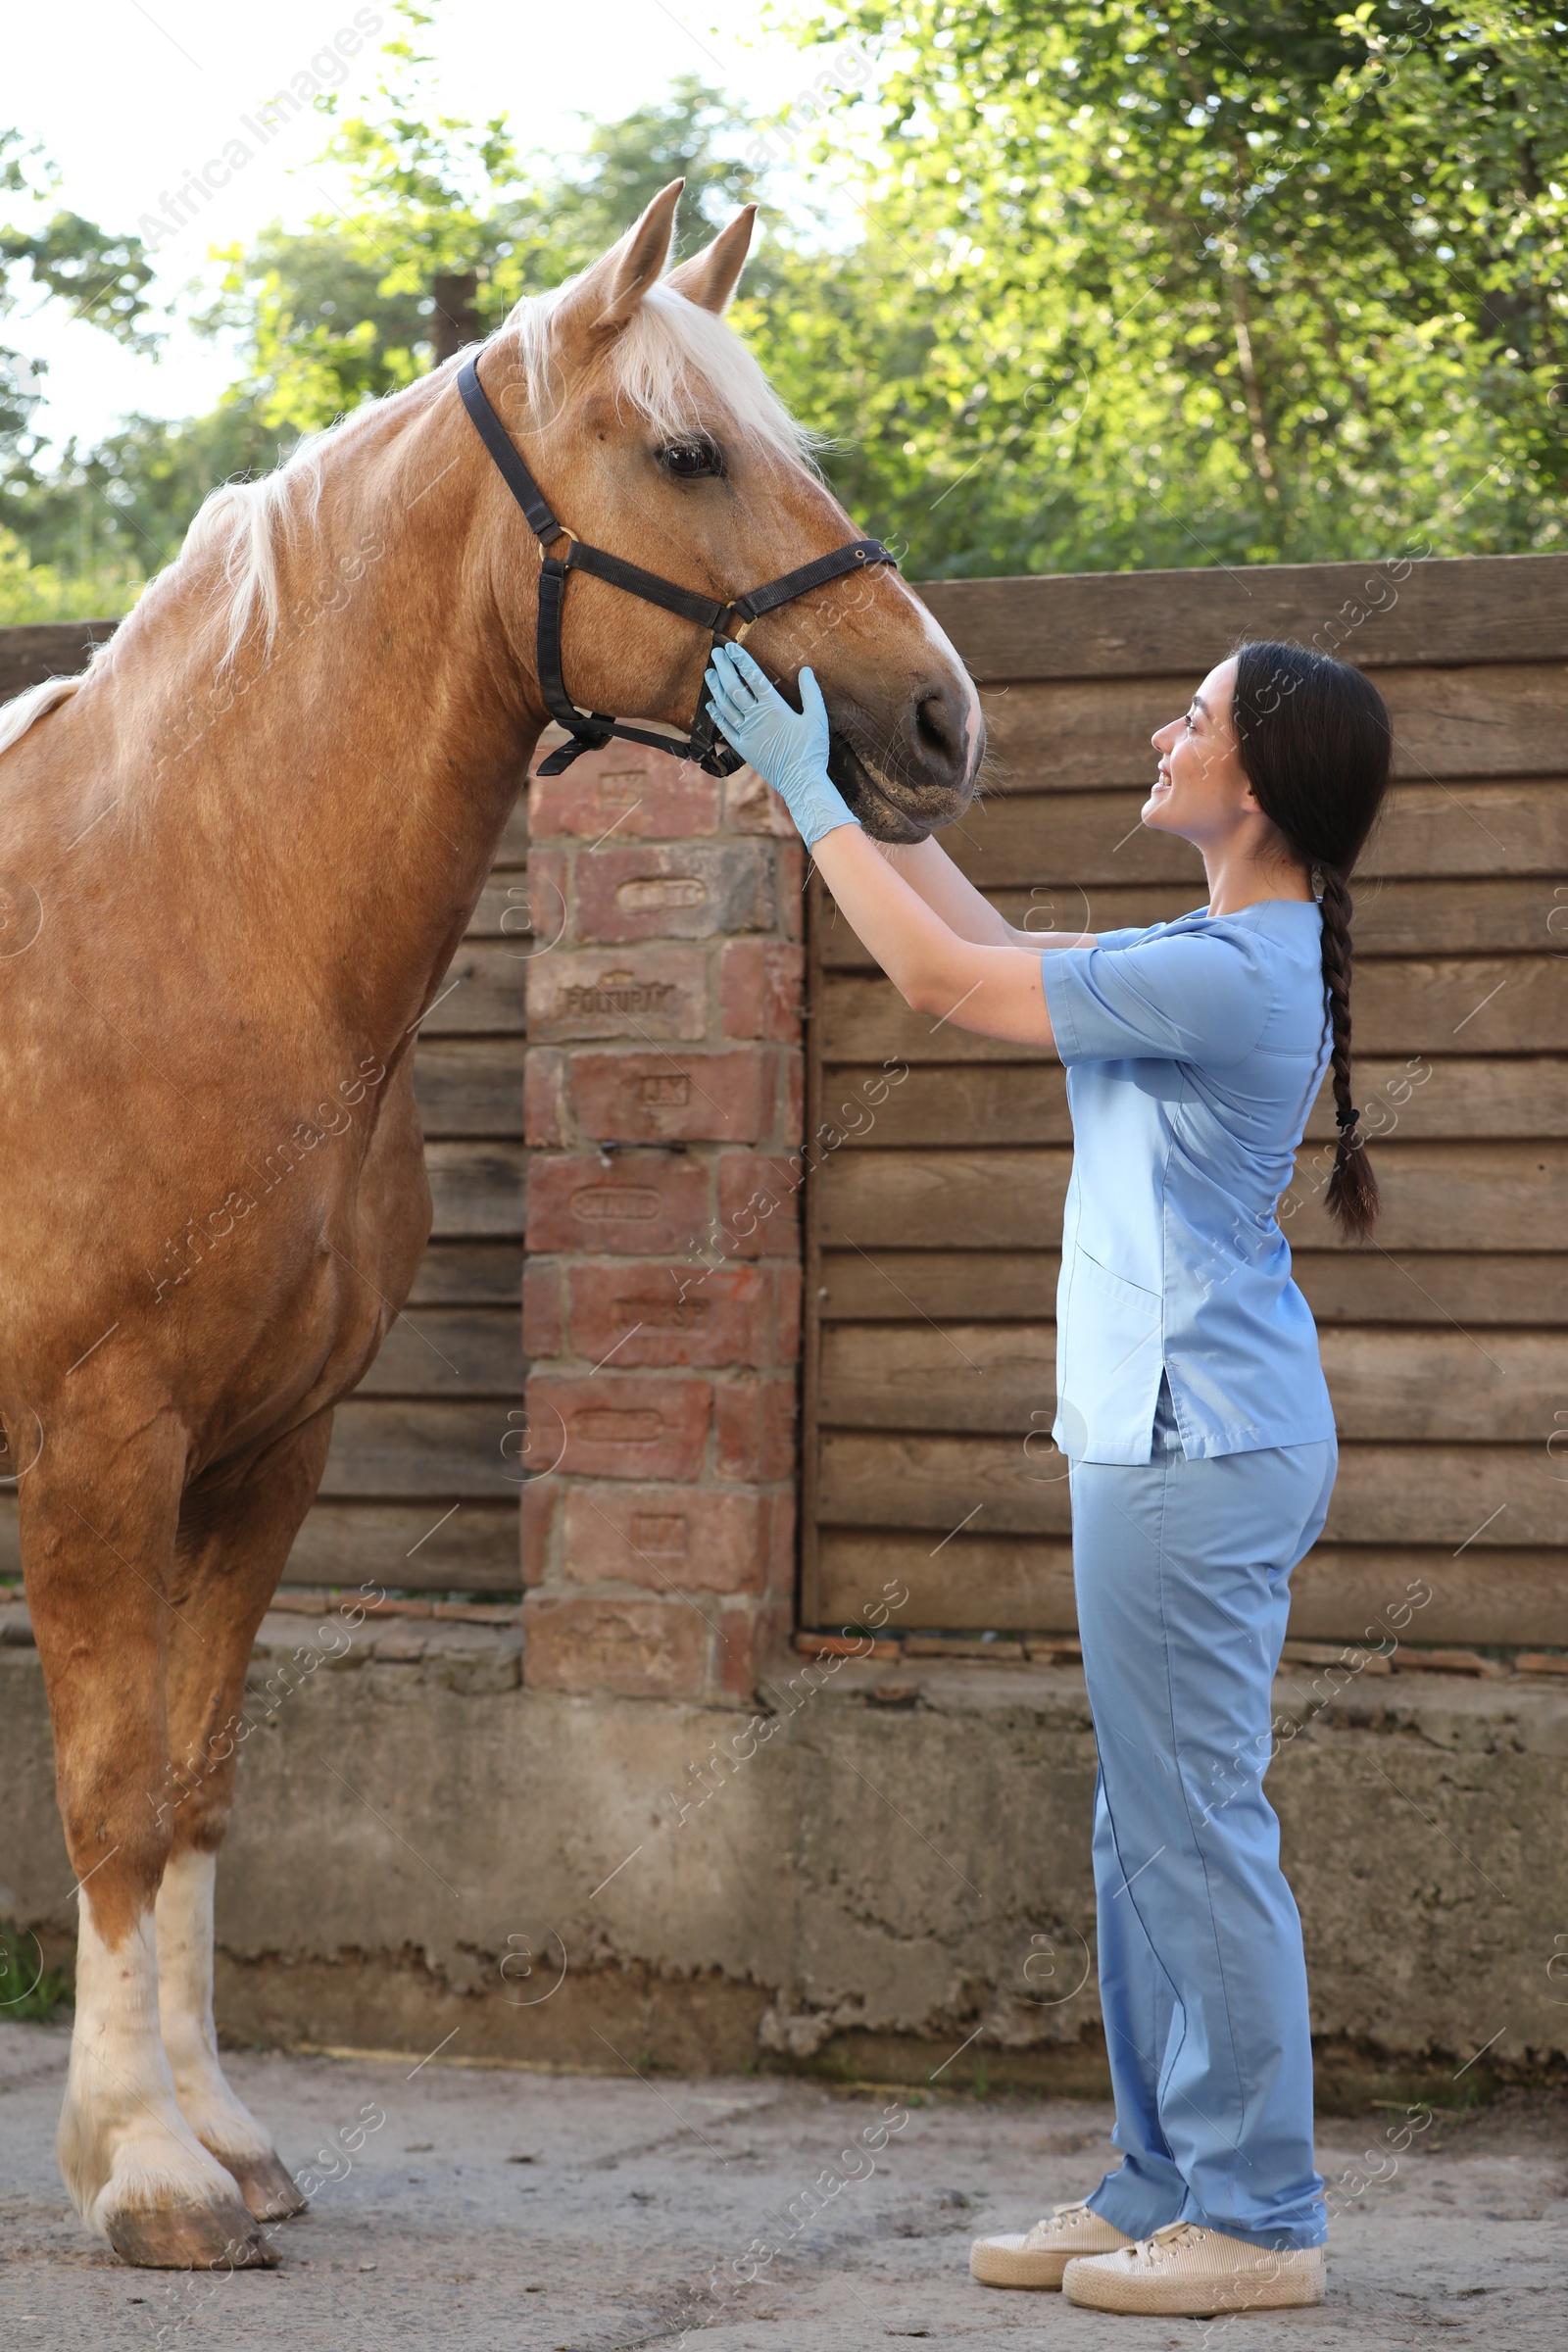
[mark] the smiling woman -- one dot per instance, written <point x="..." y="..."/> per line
<point x="1192" y="1410"/>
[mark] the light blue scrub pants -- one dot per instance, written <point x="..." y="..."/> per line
<point x="1183" y="1579"/>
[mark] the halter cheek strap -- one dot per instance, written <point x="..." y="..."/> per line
<point x="591" y="730"/>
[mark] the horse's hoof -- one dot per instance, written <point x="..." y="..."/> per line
<point x="190" y="2238"/>
<point x="271" y="2192"/>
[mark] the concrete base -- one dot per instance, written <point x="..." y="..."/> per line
<point x="482" y="2208"/>
<point x="894" y="1886"/>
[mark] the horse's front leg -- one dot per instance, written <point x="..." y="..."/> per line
<point x="234" y="1547"/>
<point x="98" y="1518"/>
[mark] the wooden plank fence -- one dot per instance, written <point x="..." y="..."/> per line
<point x="933" y="1237"/>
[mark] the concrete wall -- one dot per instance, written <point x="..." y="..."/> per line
<point x="424" y="1847"/>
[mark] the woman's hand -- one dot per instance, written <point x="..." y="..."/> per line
<point x="993" y="987"/>
<point x="787" y="748"/>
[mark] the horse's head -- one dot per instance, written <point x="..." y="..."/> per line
<point x="654" y="435"/>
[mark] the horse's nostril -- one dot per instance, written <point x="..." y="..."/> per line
<point x="935" y="729"/>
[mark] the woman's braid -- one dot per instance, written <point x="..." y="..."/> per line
<point x="1352" y="1195"/>
<point x="1315" y="743"/>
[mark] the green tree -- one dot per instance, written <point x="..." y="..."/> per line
<point x="448" y="224"/>
<point x="52" y="254"/>
<point x="1133" y="285"/>
<point x="1171" y="284"/>
<point x="116" y="514"/>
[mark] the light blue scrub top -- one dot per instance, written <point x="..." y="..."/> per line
<point x="1194" y="1050"/>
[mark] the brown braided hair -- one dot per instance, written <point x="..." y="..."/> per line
<point x="1314" y="740"/>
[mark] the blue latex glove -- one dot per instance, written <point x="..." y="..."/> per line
<point x="787" y="748"/>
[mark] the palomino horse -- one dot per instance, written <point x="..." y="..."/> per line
<point x="240" y="852"/>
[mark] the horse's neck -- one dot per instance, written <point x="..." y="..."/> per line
<point x="347" y="791"/>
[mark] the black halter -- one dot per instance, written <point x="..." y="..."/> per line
<point x="590" y="730"/>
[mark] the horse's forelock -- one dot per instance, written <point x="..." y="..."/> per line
<point x="675" y="363"/>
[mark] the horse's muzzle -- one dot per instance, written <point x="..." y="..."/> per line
<point x="917" y="776"/>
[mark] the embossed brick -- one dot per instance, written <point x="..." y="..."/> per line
<point x="542" y="1327"/>
<point x="624" y="1424"/>
<point x="538" y="910"/>
<point x="754" y="1422"/>
<point x="690" y="891"/>
<point x="626" y="793"/>
<point x="544" y="1075"/>
<point x="673" y="1539"/>
<point x="640" y="993"/>
<point x="679" y="1096"/>
<point x="759" y="1204"/>
<point x="760" y="985"/>
<point x="636" y="1648"/>
<point x="693" y="1338"/>
<point x="640" y="1203"/>
<point x="541" y="1498"/>
<point x="682" y="1315"/>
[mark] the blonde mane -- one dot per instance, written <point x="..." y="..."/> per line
<point x="36" y="702"/>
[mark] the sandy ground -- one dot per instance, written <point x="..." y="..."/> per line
<point x="540" y="2212"/>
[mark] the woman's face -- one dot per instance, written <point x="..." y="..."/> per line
<point x="1200" y="792"/>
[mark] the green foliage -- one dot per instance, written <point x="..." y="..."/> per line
<point x="447" y="227"/>
<point x="1153" y="285"/>
<point x="1131" y="286"/>
<point x="29" y="1993"/>
<point x="30" y="591"/>
<point x="102" y="521"/>
<point x="103" y="278"/>
<point x="51" y="253"/>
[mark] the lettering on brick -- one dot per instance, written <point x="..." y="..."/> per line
<point x="621" y="788"/>
<point x="651" y="894"/>
<point x="660" y="1090"/>
<point x="659" y="1535"/>
<point x="618" y="991"/>
<point x="609" y="1204"/>
<point x="661" y="1314"/>
<point x="604" y="1425"/>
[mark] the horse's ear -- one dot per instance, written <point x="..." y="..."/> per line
<point x="606" y="296"/>
<point x="710" y="276"/>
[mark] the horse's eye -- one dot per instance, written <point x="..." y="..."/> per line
<point x="690" y="459"/>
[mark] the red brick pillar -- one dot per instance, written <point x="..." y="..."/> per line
<point x="661" y="1292"/>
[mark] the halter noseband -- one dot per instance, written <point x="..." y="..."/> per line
<point x="591" y="730"/>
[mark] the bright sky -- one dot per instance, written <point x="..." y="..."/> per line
<point x="129" y="100"/>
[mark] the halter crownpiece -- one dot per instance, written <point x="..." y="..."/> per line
<point x="591" y="730"/>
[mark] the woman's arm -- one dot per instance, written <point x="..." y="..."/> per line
<point x="931" y="873"/>
<point x="989" y="985"/>
<point x="994" y="988"/>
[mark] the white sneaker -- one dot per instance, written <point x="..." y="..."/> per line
<point x="1039" y="2256"/>
<point x="1192" y="2273"/>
